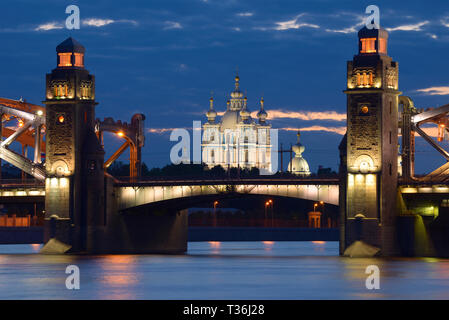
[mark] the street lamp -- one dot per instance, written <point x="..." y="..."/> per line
<point x="272" y="218"/>
<point x="266" y="206"/>
<point x="215" y="214"/>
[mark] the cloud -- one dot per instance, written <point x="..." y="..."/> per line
<point x="163" y="130"/>
<point x="293" y="24"/>
<point x="245" y="14"/>
<point x="98" y="22"/>
<point x="351" y="29"/>
<point x="337" y="130"/>
<point x="169" y="25"/>
<point x="300" y="115"/>
<point x="445" y="22"/>
<point x="89" y="22"/>
<point x="409" y="27"/>
<point x="435" y="91"/>
<point x="304" y="115"/>
<point x="49" y="26"/>
<point x="95" y="22"/>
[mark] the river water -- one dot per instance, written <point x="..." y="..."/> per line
<point x="221" y="270"/>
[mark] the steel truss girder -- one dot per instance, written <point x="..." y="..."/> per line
<point x="412" y="124"/>
<point x="134" y="136"/>
<point x="34" y="167"/>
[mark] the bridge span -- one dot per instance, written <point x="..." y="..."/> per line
<point x="154" y="192"/>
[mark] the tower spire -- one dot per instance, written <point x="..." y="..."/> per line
<point x="237" y="80"/>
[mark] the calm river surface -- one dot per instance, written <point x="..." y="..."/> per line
<point x="221" y="270"/>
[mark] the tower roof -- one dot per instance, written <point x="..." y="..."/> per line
<point x="373" y="33"/>
<point x="70" y="45"/>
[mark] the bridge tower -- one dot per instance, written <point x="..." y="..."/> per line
<point x="74" y="186"/>
<point x="370" y="167"/>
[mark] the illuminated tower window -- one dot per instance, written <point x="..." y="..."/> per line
<point x="65" y="59"/>
<point x="86" y="90"/>
<point x="368" y="45"/>
<point x="382" y="45"/>
<point x="79" y="60"/>
<point x="365" y="79"/>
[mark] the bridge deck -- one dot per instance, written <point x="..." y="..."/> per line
<point x="220" y="181"/>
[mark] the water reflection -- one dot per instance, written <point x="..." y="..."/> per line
<point x="36" y="247"/>
<point x="268" y="245"/>
<point x="215" y="246"/>
<point x="221" y="270"/>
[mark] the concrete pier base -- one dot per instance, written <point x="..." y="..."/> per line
<point x="142" y="233"/>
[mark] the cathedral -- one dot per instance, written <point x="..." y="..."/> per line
<point x="237" y="140"/>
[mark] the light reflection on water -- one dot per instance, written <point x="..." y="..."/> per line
<point x="221" y="270"/>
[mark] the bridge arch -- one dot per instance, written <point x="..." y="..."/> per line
<point x="129" y="197"/>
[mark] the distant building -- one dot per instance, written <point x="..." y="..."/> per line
<point x="298" y="164"/>
<point x="237" y="140"/>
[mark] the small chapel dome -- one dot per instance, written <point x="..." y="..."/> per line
<point x="299" y="165"/>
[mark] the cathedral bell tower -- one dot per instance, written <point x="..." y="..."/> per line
<point x="369" y="165"/>
<point x="74" y="186"/>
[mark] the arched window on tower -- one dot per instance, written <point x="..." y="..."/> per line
<point x="365" y="79"/>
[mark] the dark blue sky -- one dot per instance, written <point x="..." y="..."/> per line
<point x="163" y="58"/>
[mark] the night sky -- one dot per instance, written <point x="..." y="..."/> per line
<point x="164" y="58"/>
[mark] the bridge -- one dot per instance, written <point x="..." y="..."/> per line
<point x="185" y="193"/>
<point x="382" y="201"/>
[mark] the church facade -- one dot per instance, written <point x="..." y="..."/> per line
<point x="237" y="139"/>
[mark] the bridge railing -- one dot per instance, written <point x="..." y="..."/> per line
<point x="7" y="183"/>
<point x="331" y="179"/>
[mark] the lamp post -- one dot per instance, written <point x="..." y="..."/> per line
<point x="272" y="219"/>
<point x="215" y="213"/>
<point x="266" y="206"/>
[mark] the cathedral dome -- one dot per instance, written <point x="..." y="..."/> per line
<point x="211" y="114"/>
<point x="299" y="165"/>
<point x="230" y="119"/>
<point x="262" y="114"/>
<point x="245" y="114"/>
<point x="236" y="94"/>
